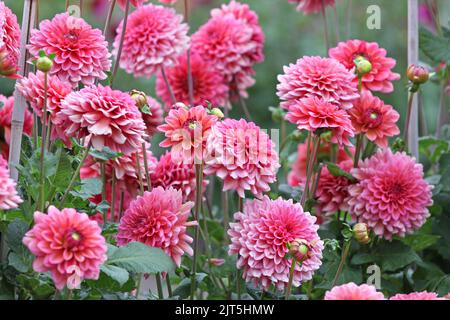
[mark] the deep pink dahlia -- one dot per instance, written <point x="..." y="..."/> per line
<point x="67" y="244"/>
<point x="9" y="37"/>
<point x="9" y="199"/>
<point x="391" y="196"/>
<point x="370" y="116"/>
<point x="317" y="77"/>
<point x="312" y="114"/>
<point x="153" y="119"/>
<point x="6" y="109"/>
<point x="380" y="77"/>
<point x="186" y="131"/>
<point x="109" y="117"/>
<point x="168" y="1"/>
<point x="311" y="6"/>
<point x="208" y="83"/>
<point x="134" y="3"/>
<point x="260" y="236"/>
<point x="81" y="52"/>
<point x="158" y="219"/>
<point x="243" y="156"/>
<point x="351" y="291"/>
<point x="424" y="295"/>
<point x="155" y="37"/>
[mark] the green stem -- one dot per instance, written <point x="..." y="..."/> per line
<point x="325" y="26"/>
<point x="43" y="148"/>
<point x="408" y="119"/>
<point x="122" y="195"/>
<point x="159" y="286"/>
<point x="226" y="217"/>
<point x="310" y="168"/>
<point x="291" y="279"/>
<point x="359" y="142"/>
<point x="147" y="172"/>
<point x="169" y="87"/>
<point x="139" y="173"/>
<point x="344" y="255"/>
<point x="119" y="50"/>
<point x="169" y="286"/>
<point x="113" y="196"/>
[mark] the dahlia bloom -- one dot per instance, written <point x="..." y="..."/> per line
<point x="9" y="199"/>
<point x="81" y="52"/>
<point x="391" y="196"/>
<point x="332" y="191"/>
<point x="134" y="3"/>
<point x="9" y="40"/>
<point x="380" y="77"/>
<point x="311" y="6"/>
<point x="153" y="119"/>
<point x="260" y="236"/>
<point x="370" y="116"/>
<point x="154" y="38"/>
<point x="317" y="77"/>
<point x="424" y="295"/>
<point x="314" y="113"/>
<point x="351" y="291"/>
<point x="186" y="131"/>
<point x="6" y="117"/>
<point x="158" y="219"/>
<point x="67" y="244"/>
<point x="243" y="156"/>
<point x="109" y="117"/>
<point x="208" y="83"/>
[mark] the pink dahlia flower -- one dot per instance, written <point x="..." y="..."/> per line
<point x="67" y="244"/>
<point x="186" y="131"/>
<point x="154" y="38"/>
<point x="332" y="191"/>
<point x="391" y="196"/>
<point x="370" y="116"/>
<point x="311" y="6"/>
<point x="134" y="3"/>
<point x="158" y="219"/>
<point x="9" y="39"/>
<point x="168" y="1"/>
<point x="6" y="110"/>
<point x="153" y="119"/>
<point x="317" y="77"/>
<point x="208" y="83"/>
<point x="180" y="176"/>
<point x="380" y="77"/>
<point x="351" y="291"/>
<point x="109" y="117"/>
<point x="314" y="113"/>
<point x="243" y="156"/>
<point x="424" y="295"/>
<point x="260" y="236"/>
<point x="9" y="199"/>
<point x="81" y="52"/>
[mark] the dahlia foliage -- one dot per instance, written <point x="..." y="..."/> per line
<point x="138" y="160"/>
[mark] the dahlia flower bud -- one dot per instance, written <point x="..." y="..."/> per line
<point x="139" y="97"/>
<point x="417" y="74"/>
<point x="277" y="114"/>
<point x="361" y="233"/>
<point x="217" y="112"/>
<point x="44" y="64"/>
<point x="363" y="66"/>
<point x="299" y="249"/>
<point x="7" y="68"/>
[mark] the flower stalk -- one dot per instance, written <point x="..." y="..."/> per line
<point x="344" y="255"/>
<point x="122" y="36"/>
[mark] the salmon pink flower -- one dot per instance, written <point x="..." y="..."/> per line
<point x="351" y="291"/>
<point x="6" y="110"/>
<point x="134" y="3"/>
<point x="9" y="42"/>
<point x="9" y="199"/>
<point x="312" y="6"/>
<point x="424" y="295"/>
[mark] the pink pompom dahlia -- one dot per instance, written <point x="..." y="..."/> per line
<point x="186" y="131"/>
<point x="153" y="119"/>
<point x="312" y="6"/>
<point x="260" y="236"/>
<point x="158" y="219"/>
<point x="109" y="117"/>
<point x="424" y="295"/>
<point x="317" y="77"/>
<point x="391" y="196"/>
<point x="9" y="199"/>
<point x="243" y="156"/>
<point x="315" y="114"/>
<point x="351" y="291"/>
<point x="208" y="83"/>
<point x="154" y="38"/>
<point x="9" y="41"/>
<point x="380" y="77"/>
<point x="81" y="52"/>
<point x="6" y="110"/>
<point x="67" y="244"/>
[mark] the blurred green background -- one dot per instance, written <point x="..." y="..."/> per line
<point x="289" y="35"/>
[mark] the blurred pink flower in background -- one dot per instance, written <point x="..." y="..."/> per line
<point x="311" y="6"/>
<point x="9" y="41"/>
<point x="155" y="118"/>
<point x="6" y="110"/>
<point x="134" y="3"/>
<point x="9" y="198"/>
<point x="351" y="291"/>
<point x="424" y="295"/>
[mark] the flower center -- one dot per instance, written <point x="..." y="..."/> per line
<point x="73" y="238"/>
<point x="372" y="118"/>
<point x="71" y="35"/>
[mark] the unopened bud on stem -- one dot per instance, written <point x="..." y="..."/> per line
<point x="361" y="233"/>
<point x="44" y="64"/>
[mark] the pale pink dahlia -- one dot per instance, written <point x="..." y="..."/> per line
<point x="370" y="116"/>
<point x="391" y="196"/>
<point x="154" y="38"/>
<point x="6" y="110"/>
<point x="81" y="52"/>
<point x="351" y="291"/>
<point x="67" y="244"/>
<point x="311" y="6"/>
<point x="260" y="236"/>
<point x="109" y="117"/>
<point x="153" y="119"/>
<point x="315" y="114"/>
<point x="158" y="219"/>
<point x="9" y="199"/>
<point x="243" y="156"/>
<point x="208" y="83"/>
<point x="332" y="191"/>
<point x="9" y="38"/>
<point x="180" y="176"/>
<point x="134" y="3"/>
<point x="380" y="77"/>
<point x="424" y="295"/>
<point x="186" y="131"/>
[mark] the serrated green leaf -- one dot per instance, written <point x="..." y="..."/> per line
<point x="105" y="154"/>
<point x="436" y="48"/>
<point x="336" y="171"/>
<point x="183" y="289"/>
<point x="15" y="233"/>
<point x="89" y="187"/>
<point x="20" y="261"/>
<point x="118" y="274"/>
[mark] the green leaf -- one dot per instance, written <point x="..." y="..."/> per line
<point x="15" y="233"/>
<point x="422" y="238"/>
<point x="41" y="53"/>
<point x="436" y="48"/>
<point x="138" y="258"/>
<point x="20" y="261"/>
<point x="118" y="274"/>
<point x="40" y="286"/>
<point x="432" y="148"/>
<point x="183" y="289"/>
<point x="336" y="171"/>
<point x="64" y="172"/>
<point x="89" y="187"/>
<point x="105" y="154"/>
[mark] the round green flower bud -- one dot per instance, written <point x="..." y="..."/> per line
<point x="44" y="64"/>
